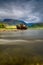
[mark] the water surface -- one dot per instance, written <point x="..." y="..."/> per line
<point x="22" y="35"/>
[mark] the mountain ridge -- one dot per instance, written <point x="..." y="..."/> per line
<point x="17" y="22"/>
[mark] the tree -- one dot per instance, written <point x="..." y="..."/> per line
<point x="2" y="25"/>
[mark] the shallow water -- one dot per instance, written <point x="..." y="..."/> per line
<point x="22" y="35"/>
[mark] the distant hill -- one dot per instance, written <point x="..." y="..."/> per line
<point x="17" y="22"/>
<point x="13" y="21"/>
<point x="35" y="24"/>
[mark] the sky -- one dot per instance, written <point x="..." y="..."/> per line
<point x="31" y="11"/>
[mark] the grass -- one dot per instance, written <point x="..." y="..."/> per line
<point x="7" y="29"/>
<point x="19" y="55"/>
<point x="36" y="28"/>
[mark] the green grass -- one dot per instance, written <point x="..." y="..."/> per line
<point x="7" y="29"/>
<point x="36" y="28"/>
<point x="19" y="55"/>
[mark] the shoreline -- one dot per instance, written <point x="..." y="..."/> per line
<point x="15" y="30"/>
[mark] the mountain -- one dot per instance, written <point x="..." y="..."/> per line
<point x="13" y="21"/>
<point x="17" y="22"/>
<point x="35" y="24"/>
<point x="30" y="24"/>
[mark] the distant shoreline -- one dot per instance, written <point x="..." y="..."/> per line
<point x="15" y="30"/>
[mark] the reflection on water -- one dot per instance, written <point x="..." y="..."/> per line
<point x="26" y="35"/>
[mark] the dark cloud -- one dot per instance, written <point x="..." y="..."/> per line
<point x="28" y="10"/>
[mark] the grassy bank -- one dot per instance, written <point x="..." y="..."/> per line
<point x="7" y="29"/>
<point x="35" y="27"/>
<point x="38" y="28"/>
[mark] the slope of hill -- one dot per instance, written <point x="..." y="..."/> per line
<point x="13" y="21"/>
<point x="35" y="25"/>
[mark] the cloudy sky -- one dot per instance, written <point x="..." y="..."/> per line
<point x="27" y="10"/>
